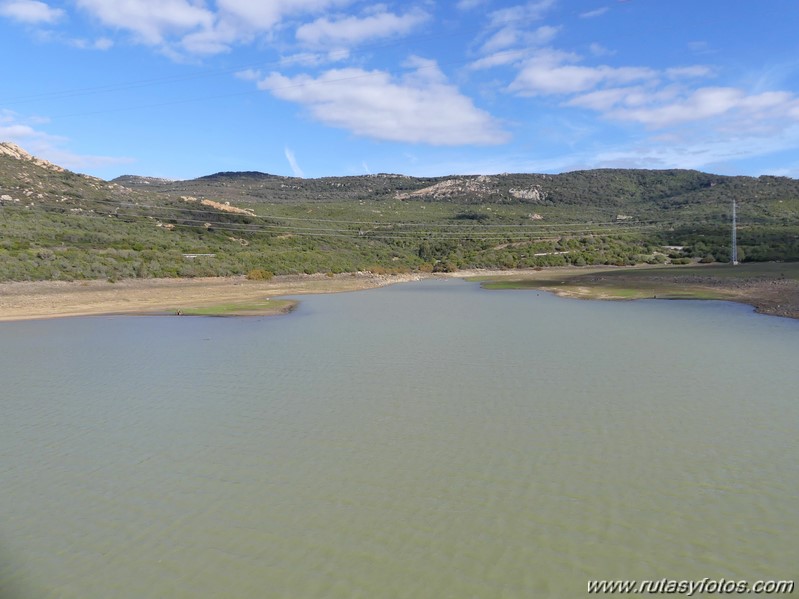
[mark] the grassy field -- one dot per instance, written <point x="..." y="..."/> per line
<point x="267" y="307"/>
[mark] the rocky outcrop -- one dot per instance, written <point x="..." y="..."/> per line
<point x="479" y="186"/>
<point x="534" y="194"/>
<point x="14" y="151"/>
<point x="224" y="207"/>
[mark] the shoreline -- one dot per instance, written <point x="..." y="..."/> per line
<point x="769" y="288"/>
<point x="39" y="300"/>
<point x="757" y="286"/>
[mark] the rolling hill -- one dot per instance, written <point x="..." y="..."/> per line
<point x="56" y="224"/>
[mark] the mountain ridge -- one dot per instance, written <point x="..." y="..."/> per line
<point x="597" y="187"/>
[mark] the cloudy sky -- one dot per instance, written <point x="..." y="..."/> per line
<point x="184" y="88"/>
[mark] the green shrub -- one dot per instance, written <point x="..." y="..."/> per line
<point x="259" y="274"/>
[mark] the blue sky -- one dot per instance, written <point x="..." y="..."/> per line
<point x="185" y="88"/>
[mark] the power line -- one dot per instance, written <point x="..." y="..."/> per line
<point x="495" y="229"/>
<point x="431" y="236"/>
<point x="271" y="89"/>
<point x="464" y="225"/>
<point x="473" y="233"/>
<point x="470" y="234"/>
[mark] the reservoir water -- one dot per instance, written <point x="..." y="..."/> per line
<point x="430" y="439"/>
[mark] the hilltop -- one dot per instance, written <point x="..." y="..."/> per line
<point x="57" y="224"/>
<point x="14" y="151"/>
<point x="597" y="188"/>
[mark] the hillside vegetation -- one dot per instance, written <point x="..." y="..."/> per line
<point x="55" y="224"/>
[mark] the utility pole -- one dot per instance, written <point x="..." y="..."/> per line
<point x="734" y="236"/>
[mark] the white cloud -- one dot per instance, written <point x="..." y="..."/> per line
<point x="30" y="11"/>
<point x="507" y="37"/>
<point x="546" y="73"/>
<point x="693" y="71"/>
<point x="734" y="125"/>
<point x="421" y="107"/>
<point x="541" y="36"/>
<point x="198" y="26"/>
<point x="605" y="100"/>
<point x="507" y="29"/>
<point x="659" y="107"/>
<point x="150" y="20"/>
<point x="691" y="148"/>
<point x="213" y="41"/>
<point x="594" y="13"/>
<point x="696" y="150"/>
<point x="512" y="35"/>
<point x="347" y="31"/>
<point x="262" y="16"/>
<point x="102" y="43"/>
<point x="498" y="59"/>
<point x="470" y="4"/>
<point x="709" y="102"/>
<point x="521" y="12"/>
<point x="249" y="75"/>
<point x="638" y="94"/>
<point x="698" y="125"/>
<point x="701" y="47"/>
<point x="504" y="38"/>
<point x="201" y="27"/>
<point x="315" y="59"/>
<point x="23" y="135"/>
<point x="295" y="167"/>
<point x="600" y="50"/>
<point x="20" y="131"/>
<point x="780" y="101"/>
<point x="48" y="146"/>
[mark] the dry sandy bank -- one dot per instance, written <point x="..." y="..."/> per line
<point x="53" y="299"/>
